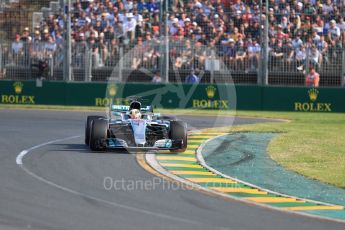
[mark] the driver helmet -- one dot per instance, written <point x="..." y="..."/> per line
<point x="135" y="114"/>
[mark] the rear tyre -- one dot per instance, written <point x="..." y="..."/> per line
<point x="178" y="131"/>
<point x="98" y="135"/>
<point x="88" y="127"/>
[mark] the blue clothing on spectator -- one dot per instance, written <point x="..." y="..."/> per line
<point x="151" y="6"/>
<point x="141" y="6"/>
<point x="104" y="24"/>
<point x="192" y="79"/>
<point x="231" y="51"/>
<point x="81" y="22"/>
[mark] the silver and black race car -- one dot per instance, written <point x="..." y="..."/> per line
<point x="149" y="131"/>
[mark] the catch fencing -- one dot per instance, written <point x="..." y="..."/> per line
<point x="240" y="43"/>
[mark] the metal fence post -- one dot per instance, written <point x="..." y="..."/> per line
<point x="166" y="53"/>
<point x="164" y="43"/>
<point x="342" y="77"/>
<point x="265" y="63"/>
<point x="67" y="61"/>
<point x="212" y="66"/>
<point x="263" y="59"/>
<point x="1" y="67"/>
<point x="51" y="67"/>
<point x="259" y="74"/>
<point x="121" y="63"/>
<point x="88" y="64"/>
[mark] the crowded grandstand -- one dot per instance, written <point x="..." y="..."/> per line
<point x="300" y="34"/>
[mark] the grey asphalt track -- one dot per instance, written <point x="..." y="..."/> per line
<point x="73" y="195"/>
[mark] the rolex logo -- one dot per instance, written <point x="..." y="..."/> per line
<point x="210" y="91"/>
<point x="18" y="87"/>
<point x="313" y="93"/>
<point x="112" y="90"/>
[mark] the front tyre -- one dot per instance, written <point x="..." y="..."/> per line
<point x="98" y="135"/>
<point x="178" y="132"/>
<point x="88" y="127"/>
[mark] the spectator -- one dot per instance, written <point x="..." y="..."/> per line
<point x="50" y="47"/>
<point x="110" y="24"/>
<point x="173" y="30"/>
<point x="46" y="35"/>
<point x="192" y="78"/>
<point x="141" y="5"/>
<point x="341" y="24"/>
<point x="139" y="29"/>
<point x="129" y="26"/>
<point x="322" y="47"/>
<point x="151" y="5"/>
<point x="301" y="56"/>
<point x="26" y="35"/>
<point x="200" y="55"/>
<point x="94" y="46"/>
<point x="253" y="54"/>
<point x="186" y="57"/>
<point x="289" y="52"/>
<point x="103" y="49"/>
<point x="113" y="52"/>
<point x="241" y="54"/>
<point x="334" y="29"/>
<point x="314" y="57"/>
<point x="315" y="36"/>
<point x="17" y="46"/>
<point x="37" y="36"/>
<point x="280" y="35"/>
<point x="343" y="81"/>
<point x="318" y="26"/>
<point x="327" y="7"/>
<point x="299" y="8"/>
<point x="236" y="35"/>
<point x="156" y="77"/>
<point x="230" y="52"/>
<point x="138" y="53"/>
<point x="277" y="54"/>
<point x="297" y="42"/>
<point x="312" y="78"/>
<point x="335" y="33"/>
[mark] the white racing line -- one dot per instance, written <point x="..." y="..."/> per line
<point x="22" y="154"/>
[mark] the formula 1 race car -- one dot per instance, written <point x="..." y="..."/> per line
<point x="136" y="128"/>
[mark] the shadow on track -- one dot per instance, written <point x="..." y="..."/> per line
<point x="83" y="149"/>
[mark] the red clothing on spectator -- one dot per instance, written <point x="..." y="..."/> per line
<point x="281" y="35"/>
<point x="155" y="29"/>
<point x="227" y="3"/>
<point x="312" y="79"/>
<point x="246" y="17"/>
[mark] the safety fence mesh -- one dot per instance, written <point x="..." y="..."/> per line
<point x="225" y="41"/>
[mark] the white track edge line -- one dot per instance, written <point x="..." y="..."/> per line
<point x="202" y="162"/>
<point x="152" y="161"/>
<point x="22" y="154"/>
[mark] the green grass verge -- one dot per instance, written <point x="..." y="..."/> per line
<point x="312" y="144"/>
